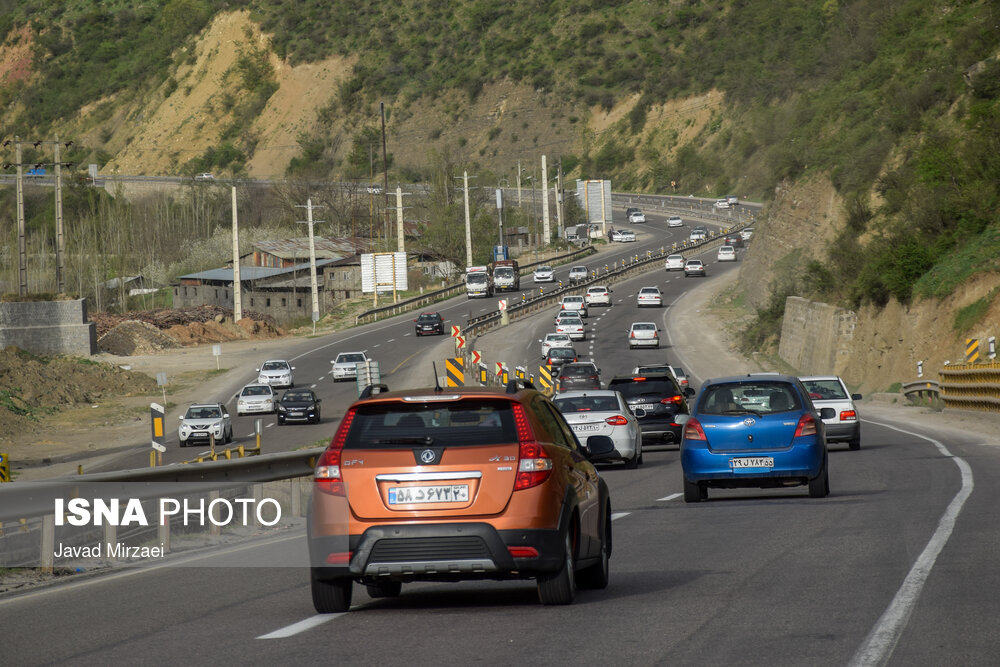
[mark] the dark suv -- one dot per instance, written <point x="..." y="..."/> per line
<point x="579" y="375"/>
<point x="656" y="399"/>
<point x="475" y="483"/>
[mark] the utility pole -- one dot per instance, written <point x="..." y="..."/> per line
<point x="385" y="171"/>
<point x="468" y="222"/>
<point x="22" y="252"/>
<point x="559" y="199"/>
<point x="518" y="183"/>
<point x="546" y="230"/>
<point x="400" y="240"/>
<point x="237" y="292"/>
<point x="60" y="273"/>
<point x="312" y="257"/>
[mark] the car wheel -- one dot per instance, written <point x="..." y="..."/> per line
<point x="855" y="442"/>
<point x="694" y="492"/>
<point x="640" y="453"/>
<point x="281" y="422"/>
<point x="184" y="443"/>
<point x="633" y="462"/>
<point x="384" y="589"/>
<point x="331" y="596"/>
<point x="597" y="575"/>
<point x="560" y="587"/>
<point x="819" y="487"/>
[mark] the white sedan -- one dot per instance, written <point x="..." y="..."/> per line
<point x="727" y="253"/>
<point x="636" y="216"/>
<point x="649" y="296"/>
<point x="276" y="372"/>
<point x="554" y="340"/>
<point x="603" y="412"/>
<point x="345" y="366"/>
<point x="572" y="326"/>
<point x="643" y="334"/>
<point x="578" y="273"/>
<point x="544" y="274"/>
<point x="256" y="399"/>
<point x="626" y="236"/>
<point x="598" y="295"/>
<point x="675" y="221"/>
<point x="574" y="303"/>
<point x="675" y="263"/>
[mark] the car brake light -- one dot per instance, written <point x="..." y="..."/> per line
<point x="806" y="426"/>
<point x="327" y="473"/>
<point x="676" y="399"/>
<point x="693" y="430"/>
<point x="617" y="420"/>
<point x="523" y="552"/>
<point x="631" y="334"/>
<point x="848" y="416"/>
<point x="339" y="558"/>
<point x="534" y="466"/>
<point x="638" y="379"/>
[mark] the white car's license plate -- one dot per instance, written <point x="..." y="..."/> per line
<point x="585" y="427"/>
<point x="752" y="462"/>
<point x="417" y="495"/>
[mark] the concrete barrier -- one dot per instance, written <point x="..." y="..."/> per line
<point x="48" y="327"/>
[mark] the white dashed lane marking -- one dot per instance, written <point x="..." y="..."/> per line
<point x="670" y="497"/>
<point x="301" y="626"/>
<point x="618" y="515"/>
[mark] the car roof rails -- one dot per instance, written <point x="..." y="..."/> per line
<point x="373" y="390"/>
<point x="517" y="384"/>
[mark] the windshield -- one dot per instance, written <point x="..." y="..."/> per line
<point x="544" y="269"/>
<point x="203" y="413"/>
<point x="257" y="390"/>
<point x="296" y="396"/>
<point x="476" y="278"/>
<point x="427" y="317"/>
<point x="578" y="269"/>
<point x="504" y="272"/>
<point x="466" y="423"/>
<point x="350" y="358"/>
<point x="274" y="366"/>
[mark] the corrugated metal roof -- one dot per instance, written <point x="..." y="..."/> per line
<point x="326" y="248"/>
<point x="252" y="272"/>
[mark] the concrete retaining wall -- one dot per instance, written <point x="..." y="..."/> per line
<point x="48" y="327"/>
<point x="816" y="337"/>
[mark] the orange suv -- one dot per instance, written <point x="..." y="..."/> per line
<point x="447" y="485"/>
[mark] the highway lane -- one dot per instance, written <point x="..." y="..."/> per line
<point x="755" y="578"/>
<point x="404" y="360"/>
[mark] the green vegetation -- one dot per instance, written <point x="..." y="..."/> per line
<point x="971" y="315"/>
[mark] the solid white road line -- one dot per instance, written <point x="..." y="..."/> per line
<point x="301" y="626"/>
<point x="670" y="497"/>
<point x="618" y="515"/>
<point x="880" y="642"/>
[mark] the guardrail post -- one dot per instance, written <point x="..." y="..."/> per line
<point x="296" y="496"/>
<point x="213" y="527"/>
<point x="163" y="531"/>
<point x="47" y="557"/>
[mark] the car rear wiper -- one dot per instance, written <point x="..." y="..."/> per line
<point x="426" y="441"/>
<point x="742" y="411"/>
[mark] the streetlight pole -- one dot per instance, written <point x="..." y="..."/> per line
<point x="312" y="258"/>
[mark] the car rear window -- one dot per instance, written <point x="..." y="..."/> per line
<point x="741" y="397"/>
<point x="825" y="389"/>
<point x="634" y="389"/>
<point x="578" y="371"/>
<point x="566" y="352"/>
<point x="587" y="404"/>
<point x="455" y="424"/>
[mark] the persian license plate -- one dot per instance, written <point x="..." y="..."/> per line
<point x="419" y="495"/>
<point x="647" y="408"/>
<point x="294" y="414"/>
<point x="752" y="462"/>
<point x="579" y="428"/>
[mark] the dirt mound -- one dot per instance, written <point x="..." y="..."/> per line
<point x="135" y="337"/>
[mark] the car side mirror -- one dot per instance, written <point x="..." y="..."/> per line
<point x="318" y="400"/>
<point x="225" y="416"/>
<point x="827" y="413"/>
<point x="257" y="369"/>
<point x="855" y="397"/>
<point x="539" y="340"/>
<point x="599" y="448"/>
<point x="293" y="368"/>
<point x="181" y="417"/>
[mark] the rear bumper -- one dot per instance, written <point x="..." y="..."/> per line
<point x="438" y="552"/>
<point x="644" y="342"/>
<point x="660" y="431"/>
<point x="798" y="464"/>
<point x="842" y="431"/>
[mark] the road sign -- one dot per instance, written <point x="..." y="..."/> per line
<point x="545" y="378"/>
<point x="455" y="330"/>
<point x="971" y="350"/>
<point x="156" y="426"/>
<point x="476" y="357"/>
<point x="158" y="447"/>
<point x="454" y="372"/>
<point x="499" y="368"/>
<point x="502" y="304"/>
<point x="459" y="342"/>
<point x="4" y="468"/>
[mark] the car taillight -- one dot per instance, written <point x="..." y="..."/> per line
<point x="631" y="334"/>
<point x="656" y="335"/>
<point x="534" y="466"/>
<point x="693" y="430"/>
<point x="806" y="426"/>
<point x="848" y="416"/>
<point x="676" y="399"/>
<point x="327" y="474"/>
<point x="617" y="420"/>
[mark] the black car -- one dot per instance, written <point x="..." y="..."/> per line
<point x="429" y="323"/>
<point x="578" y="376"/>
<point x="298" y="405"/>
<point x="661" y="398"/>
<point x="734" y="240"/>
<point x="558" y="356"/>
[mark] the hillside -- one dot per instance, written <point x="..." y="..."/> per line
<point x="869" y="127"/>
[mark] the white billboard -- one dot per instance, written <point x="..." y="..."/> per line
<point x="383" y="270"/>
<point x="595" y="199"/>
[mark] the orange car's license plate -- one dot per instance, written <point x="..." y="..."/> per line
<point x="415" y="495"/>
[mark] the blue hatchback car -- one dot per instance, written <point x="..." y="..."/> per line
<point x="759" y="430"/>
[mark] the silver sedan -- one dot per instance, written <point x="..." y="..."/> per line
<point x="603" y="412"/>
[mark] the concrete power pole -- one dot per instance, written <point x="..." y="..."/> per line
<point x="22" y="252"/>
<point x="559" y="199"/>
<point x="312" y="258"/>
<point x="400" y="242"/>
<point x="546" y="231"/>
<point x="60" y="272"/>
<point x="468" y="221"/>
<point x="519" y="183"/>
<point x="237" y="296"/>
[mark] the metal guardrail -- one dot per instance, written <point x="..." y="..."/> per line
<point x="921" y="389"/>
<point x="971" y="386"/>
<point x="374" y="314"/>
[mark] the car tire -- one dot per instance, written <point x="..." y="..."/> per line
<point x="331" y="596"/>
<point x="855" y="442"/>
<point x="596" y="576"/>
<point x="384" y="589"/>
<point x="227" y="437"/>
<point x="281" y="422"/>
<point x="819" y="486"/>
<point x="640" y="453"/>
<point x="560" y="587"/>
<point x="632" y="463"/>
<point x="184" y="443"/>
<point x="694" y="492"/>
